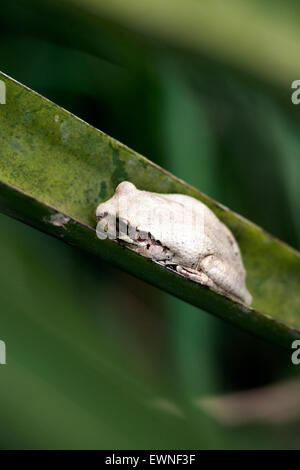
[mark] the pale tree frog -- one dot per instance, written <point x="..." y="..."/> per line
<point x="179" y="232"/>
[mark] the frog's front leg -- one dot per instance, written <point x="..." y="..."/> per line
<point x="196" y="275"/>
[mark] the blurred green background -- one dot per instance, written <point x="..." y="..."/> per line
<point x="96" y="358"/>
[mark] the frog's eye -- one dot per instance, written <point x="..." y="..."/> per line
<point x="101" y="215"/>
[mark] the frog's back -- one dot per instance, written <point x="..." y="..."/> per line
<point x="212" y="236"/>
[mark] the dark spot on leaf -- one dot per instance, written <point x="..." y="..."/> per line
<point x="119" y="174"/>
<point x="103" y="191"/>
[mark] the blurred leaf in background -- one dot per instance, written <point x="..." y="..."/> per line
<point x="95" y="358"/>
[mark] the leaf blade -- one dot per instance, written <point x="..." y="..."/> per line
<point x="54" y="163"/>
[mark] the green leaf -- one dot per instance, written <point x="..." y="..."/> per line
<point x="210" y="30"/>
<point x="55" y="169"/>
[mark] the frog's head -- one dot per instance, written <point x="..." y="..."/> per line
<point x="123" y="192"/>
<point x="107" y="213"/>
<point x="110" y="207"/>
<point x="125" y="188"/>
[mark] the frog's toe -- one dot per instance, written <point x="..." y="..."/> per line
<point x="195" y="275"/>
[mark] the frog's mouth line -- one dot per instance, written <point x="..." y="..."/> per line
<point x="141" y="242"/>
